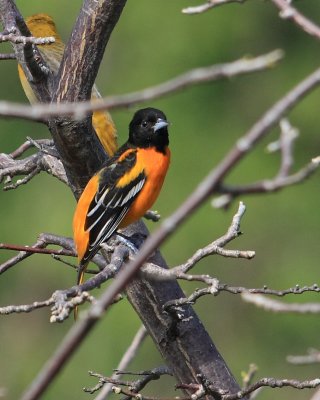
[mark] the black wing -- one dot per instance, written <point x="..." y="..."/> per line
<point x="111" y="203"/>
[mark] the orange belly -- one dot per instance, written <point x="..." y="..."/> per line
<point x="157" y="165"/>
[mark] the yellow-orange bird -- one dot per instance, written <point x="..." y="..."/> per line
<point x="42" y="25"/>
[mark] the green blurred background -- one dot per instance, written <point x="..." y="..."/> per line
<point x="153" y="42"/>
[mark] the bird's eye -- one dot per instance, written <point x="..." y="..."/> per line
<point x="144" y="124"/>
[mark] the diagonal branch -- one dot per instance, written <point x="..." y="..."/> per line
<point x="189" y="78"/>
<point x="287" y="11"/>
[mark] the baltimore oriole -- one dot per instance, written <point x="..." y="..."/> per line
<point x="125" y="188"/>
<point x="42" y="25"/>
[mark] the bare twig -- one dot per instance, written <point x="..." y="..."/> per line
<point x="287" y="11"/>
<point x="7" y="56"/>
<point x="208" y="6"/>
<point x="209" y="388"/>
<point x="131" y="394"/>
<point x="273" y="383"/>
<point x="265" y="186"/>
<point x="214" y="287"/>
<point x="11" y="37"/>
<point x="288" y="136"/>
<point x="44" y="240"/>
<point x="265" y="290"/>
<point x="248" y="376"/>
<point x="280" y="307"/>
<point x="134" y="386"/>
<point x="312" y="357"/>
<point x="41" y="144"/>
<point x="125" y="361"/>
<point x="281" y="180"/>
<point x="27" y="249"/>
<point x="64" y="301"/>
<point x="190" y="78"/>
<point x="26" y="308"/>
<point x="216" y="247"/>
<point x="30" y="167"/>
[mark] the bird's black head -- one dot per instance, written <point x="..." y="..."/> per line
<point x="148" y="128"/>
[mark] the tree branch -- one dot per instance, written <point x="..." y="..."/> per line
<point x="280" y="307"/>
<point x="152" y="313"/>
<point x="273" y="383"/>
<point x="190" y="78"/>
<point x="17" y="39"/>
<point x="44" y="240"/>
<point x="312" y="357"/>
<point x="287" y="11"/>
<point x="208" y="6"/>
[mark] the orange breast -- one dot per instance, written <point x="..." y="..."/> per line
<point x="81" y="236"/>
<point x="155" y="166"/>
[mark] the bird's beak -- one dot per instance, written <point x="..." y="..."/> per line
<point x="161" y="123"/>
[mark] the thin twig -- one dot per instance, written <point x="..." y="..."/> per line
<point x="125" y="361"/>
<point x="7" y="56"/>
<point x="26" y="308"/>
<point x="190" y="78"/>
<point x="287" y="11"/>
<point x="280" y="307"/>
<point x="27" y="249"/>
<point x="265" y="290"/>
<point x="11" y="37"/>
<point x="44" y="240"/>
<point x="30" y="167"/>
<point x="41" y="144"/>
<point x="312" y="357"/>
<point x="134" y="386"/>
<point x="209" y="388"/>
<point x="208" y="6"/>
<point x="216" y="247"/>
<point x="214" y="287"/>
<point x="273" y="383"/>
<point x="231" y="192"/>
<point x="287" y="139"/>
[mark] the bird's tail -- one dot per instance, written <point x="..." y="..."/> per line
<point x="81" y="270"/>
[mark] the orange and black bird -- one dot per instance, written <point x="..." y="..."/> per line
<point x="125" y="188"/>
<point x="42" y="25"/>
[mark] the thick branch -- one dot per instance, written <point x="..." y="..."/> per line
<point x="74" y="81"/>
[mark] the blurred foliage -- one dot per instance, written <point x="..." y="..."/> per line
<point x="153" y="42"/>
